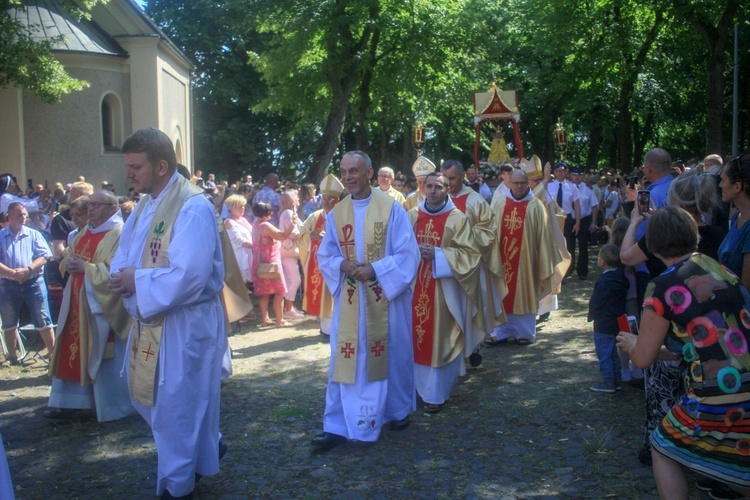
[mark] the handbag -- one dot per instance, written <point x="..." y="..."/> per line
<point x="269" y="270"/>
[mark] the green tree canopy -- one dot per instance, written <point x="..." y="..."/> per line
<point x="30" y="63"/>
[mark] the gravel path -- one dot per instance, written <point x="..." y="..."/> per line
<point x="523" y="424"/>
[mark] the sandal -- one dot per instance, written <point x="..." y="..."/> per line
<point x="523" y="342"/>
<point x="266" y="322"/>
<point x="431" y="409"/>
<point x="282" y="323"/>
<point x="493" y="342"/>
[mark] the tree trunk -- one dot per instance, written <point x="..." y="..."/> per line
<point x="363" y="136"/>
<point x="596" y="134"/>
<point x="717" y="38"/>
<point x="641" y="136"/>
<point x="625" y="119"/>
<point x="343" y="62"/>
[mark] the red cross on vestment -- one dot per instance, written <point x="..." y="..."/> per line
<point x="377" y="349"/>
<point x="347" y="350"/>
<point x="148" y="352"/>
<point x="347" y="246"/>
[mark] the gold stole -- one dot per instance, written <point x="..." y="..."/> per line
<point x="146" y="337"/>
<point x="376" y="304"/>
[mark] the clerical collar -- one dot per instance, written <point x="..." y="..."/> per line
<point x="522" y="197"/>
<point x="431" y="210"/>
<point x="114" y="221"/>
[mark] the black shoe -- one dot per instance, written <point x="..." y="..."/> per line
<point x="475" y="359"/>
<point x="328" y="441"/>
<point x="68" y="414"/>
<point x="542" y="318"/>
<point x="399" y="425"/>
<point x="582" y="278"/>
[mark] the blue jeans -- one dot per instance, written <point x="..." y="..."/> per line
<point x="609" y="360"/>
<point x="33" y="293"/>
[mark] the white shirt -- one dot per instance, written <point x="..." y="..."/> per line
<point x="570" y="195"/>
<point x="612" y="209"/>
<point x="586" y="199"/>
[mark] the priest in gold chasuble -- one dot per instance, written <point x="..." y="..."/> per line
<point x="317" y="299"/>
<point x="368" y="258"/>
<point x="484" y="228"/>
<point x="447" y="276"/>
<point x="93" y="326"/>
<point x="529" y="257"/>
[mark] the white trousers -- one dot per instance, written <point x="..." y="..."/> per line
<point x="291" y="276"/>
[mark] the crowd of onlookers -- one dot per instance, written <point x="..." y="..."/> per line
<point x="694" y="206"/>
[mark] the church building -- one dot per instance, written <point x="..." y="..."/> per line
<point x="137" y="78"/>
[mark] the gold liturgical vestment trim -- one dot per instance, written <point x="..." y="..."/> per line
<point x="376" y="304"/>
<point x="146" y="335"/>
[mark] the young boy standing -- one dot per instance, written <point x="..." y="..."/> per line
<point x="606" y="305"/>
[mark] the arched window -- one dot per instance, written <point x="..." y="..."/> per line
<point x="111" y="122"/>
<point x="107" y="139"/>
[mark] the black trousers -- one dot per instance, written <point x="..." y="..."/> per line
<point x="582" y="264"/>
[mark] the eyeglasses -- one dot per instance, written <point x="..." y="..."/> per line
<point x="95" y="205"/>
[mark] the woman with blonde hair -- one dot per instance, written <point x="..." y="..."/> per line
<point x="239" y="231"/>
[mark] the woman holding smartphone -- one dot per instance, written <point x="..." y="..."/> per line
<point x="696" y="311"/>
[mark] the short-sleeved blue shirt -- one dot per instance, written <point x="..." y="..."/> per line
<point x="735" y="245"/>
<point x="20" y="251"/>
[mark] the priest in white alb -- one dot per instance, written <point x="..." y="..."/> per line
<point x="93" y="326"/>
<point x="529" y="257"/>
<point x="317" y="298"/>
<point x="369" y="258"/>
<point x="169" y="270"/>
<point x="446" y="294"/>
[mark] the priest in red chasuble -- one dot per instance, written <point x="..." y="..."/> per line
<point x="318" y="300"/>
<point x="529" y="257"/>
<point x="484" y="228"/>
<point x="447" y="276"/>
<point x="93" y="326"/>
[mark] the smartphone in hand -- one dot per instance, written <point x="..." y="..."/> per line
<point x="644" y="201"/>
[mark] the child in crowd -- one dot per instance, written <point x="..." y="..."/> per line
<point x="630" y="372"/>
<point x="606" y="305"/>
